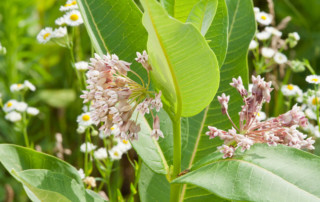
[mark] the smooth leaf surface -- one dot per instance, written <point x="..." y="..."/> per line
<point x="240" y="32"/>
<point x="20" y="159"/>
<point x="184" y="66"/>
<point x="179" y="9"/>
<point x="148" y="148"/>
<point x="202" y="14"/>
<point x="115" y="27"/>
<point x="270" y="173"/>
<point x="50" y="186"/>
<point x="218" y="32"/>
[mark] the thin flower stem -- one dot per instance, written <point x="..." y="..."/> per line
<point x="136" y="179"/>
<point x="316" y="87"/>
<point x="176" y="188"/>
<point x="234" y="125"/>
<point x="24" y="130"/>
<point x="86" y="153"/>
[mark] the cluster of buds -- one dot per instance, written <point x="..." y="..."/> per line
<point x="279" y="130"/>
<point x="114" y="96"/>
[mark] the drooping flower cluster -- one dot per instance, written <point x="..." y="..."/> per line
<point x="280" y="130"/>
<point x="114" y="96"/>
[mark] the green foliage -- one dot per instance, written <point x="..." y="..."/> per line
<point x="44" y="177"/>
<point x="179" y="9"/>
<point x="58" y="98"/>
<point x="263" y="172"/>
<point x="175" y="49"/>
<point x="115" y="27"/>
<point x="202" y="14"/>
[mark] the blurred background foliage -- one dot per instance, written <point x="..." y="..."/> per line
<point x="48" y="67"/>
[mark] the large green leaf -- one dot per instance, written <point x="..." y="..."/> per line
<point x="20" y="159"/>
<point x="184" y="66"/>
<point x="218" y="32"/>
<point x="149" y="150"/>
<point x="263" y="173"/>
<point x="49" y="186"/>
<point x="115" y="27"/>
<point x="202" y="14"/>
<point x="179" y="9"/>
<point x="198" y="145"/>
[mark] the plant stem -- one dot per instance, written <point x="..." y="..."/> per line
<point x="24" y="130"/>
<point x="176" y="188"/>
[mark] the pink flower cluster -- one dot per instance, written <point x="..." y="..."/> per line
<point x="279" y="130"/>
<point x="114" y="96"/>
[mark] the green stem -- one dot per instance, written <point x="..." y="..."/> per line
<point x="279" y="96"/>
<point x="86" y="153"/>
<point x="176" y="188"/>
<point x="317" y="103"/>
<point x="24" y="130"/>
<point x="136" y="179"/>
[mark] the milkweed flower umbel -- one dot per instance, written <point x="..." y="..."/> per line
<point x="251" y="130"/>
<point x="114" y="96"/>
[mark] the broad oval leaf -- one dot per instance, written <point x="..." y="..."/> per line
<point x="115" y="27"/>
<point x="20" y="158"/>
<point x="202" y="14"/>
<point x="148" y="149"/>
<point x="185" y="69"/>
<point x="270" y="173"/>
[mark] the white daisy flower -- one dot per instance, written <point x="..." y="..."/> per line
<point x="73" y="18"/>
<point x="84" y="119"/>
<point x="312" y="101"/>
<point x="295" y="36"/>
<point x="264" y="18"/>
<point x="115" y="130"/>
<point x="10" y="105"/>
<point x="280" y="58"/>
<point x="310" y="114"/>
<point x="115" y="153"/>
<point x="101" y="154"/>
<point x="290" y="90"/>
<point x="124" y="145"/>
<point x="21" y="106"/>
<point x="82" y="66"/>
<point x="273" y="31"/>
<point x="267" y="52"/>
<point x="253" y="44"/>
<point x="81" y="173"/>
<point x="261" y="116"/>
<point x="45" y="35"/>
<point x="29" y="85"/>
<point x="70" y="5"/>
<point x="60" y="21"/>
<point x="264" y="35"/>
<point x="60" y="32"/>
<point x="32" y="111"/>
<point x="13" y="116"/>
<point x="314" y="79"/>
<point x="17" y="87"/>
<point x="89" y="147"/>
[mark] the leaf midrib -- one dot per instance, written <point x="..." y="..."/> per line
<point x="175" y="82"/>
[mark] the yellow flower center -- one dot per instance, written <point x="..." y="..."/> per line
<point x="112" y="128"/>
<point x="46" y="35"/>
<point x="70" y="4"/>
<point x="315" y="101"/>
<point x="9" y="104"/>
<point x="290" y="87"/>
<point x="258" y="114"/>
<point x="315" y="79"/>
<point x="116" y="153"/>
<point x="74" y="17"/>
<point x="125" y="141"/>
<point x="86" y="117"/>
<point x="263" y="17"/>
<point x="73" y="2"/>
